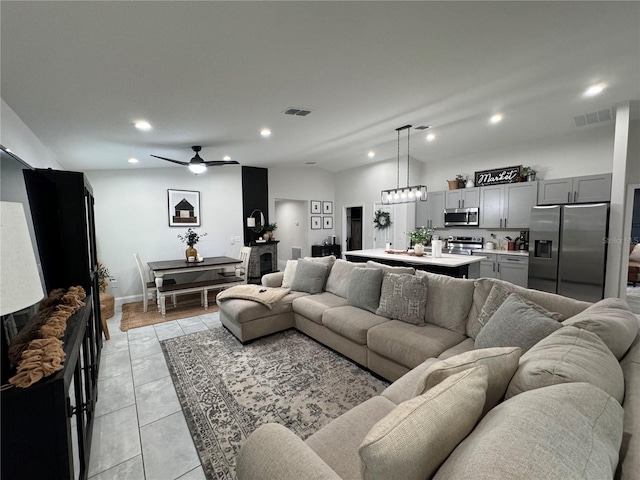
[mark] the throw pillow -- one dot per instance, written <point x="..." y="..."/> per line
<point x="418" y="435"/>
<point x="403" y="297"/>
<point x="289" y="273"/>
<point x="309" y="277"/>
<point x="502" y="362"/>
<point x="390" y="269"/>
<point x="569" y="355"/>
<point x="329" y="260"/>
<point x="339" y="276"/>
<point x="515" y="324"/>
<point x="612" y="321"/>
<point x="364" y="288"/>
<point x="634" y="256"/>
<point x="573" y="430"/>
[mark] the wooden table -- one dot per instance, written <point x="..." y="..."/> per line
<point x="166" y="267"/>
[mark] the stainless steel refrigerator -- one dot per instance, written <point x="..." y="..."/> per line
<point x="568" y="250"/>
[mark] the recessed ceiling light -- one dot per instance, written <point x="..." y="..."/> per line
<point x="594" y="90"/>
<point x="265" y="132"/>
<point x="226" y="157"/>
<point x="431" y="137"/>
<point x="133" y="160"/>
<point x="371" y="154"/>
<point x="142" y="125"/>
<point x="497" y="118"/>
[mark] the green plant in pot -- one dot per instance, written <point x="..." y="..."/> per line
<point x="269" y="229"/>
<point x="191" y="238"/>
<point x="462" y="180"/>
<point x="421" y="238"/>
<point x="103" y="277"/>
<point x="528" y="174"/>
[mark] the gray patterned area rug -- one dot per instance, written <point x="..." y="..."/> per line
<point x="227" y="390"/>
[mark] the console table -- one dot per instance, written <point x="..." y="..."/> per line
<point x="326" y="250"/>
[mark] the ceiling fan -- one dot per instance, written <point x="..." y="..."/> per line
<point x="197" y="164"/>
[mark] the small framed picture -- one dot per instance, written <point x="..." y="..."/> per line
<point x="327" y="223"/>
<point x="315" y="206"/>
<point x="183" y="208"/>
<point x="316" y="223"/>
<point x="327" y="208"/>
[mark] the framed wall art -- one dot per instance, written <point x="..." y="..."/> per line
<point x="316" y="223"/>
<point x="327" y="208"/>
<point x="183" y="208"/>
<point x="316" y="206"/>
<point x="327" y="223"/>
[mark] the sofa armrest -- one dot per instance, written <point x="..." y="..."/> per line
<point x="272" y="279"/>
<point x="274" y="452"/>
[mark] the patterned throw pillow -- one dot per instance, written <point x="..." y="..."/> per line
<point x="403" y="297"/>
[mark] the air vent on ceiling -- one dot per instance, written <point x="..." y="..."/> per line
<point x="423" y="127"/>
<point x="300" y="112"/>
<point x="594" y="117"/>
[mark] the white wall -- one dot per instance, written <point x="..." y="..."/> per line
<point x="306" y="184"/>
<point x="292" y="218"/>
<point x="131" y="216"/>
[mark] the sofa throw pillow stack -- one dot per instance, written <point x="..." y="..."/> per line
<point x="515" y="324"/>
<point x="403" y="297"/>
<point x="414" y="439"/>
<point x="309" y="277"/>
<point x="364" y="288"/>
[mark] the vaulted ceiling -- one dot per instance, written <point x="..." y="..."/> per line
<point x="79" y="74"/>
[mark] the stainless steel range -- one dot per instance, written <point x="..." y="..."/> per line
<point x="463" y="245"/>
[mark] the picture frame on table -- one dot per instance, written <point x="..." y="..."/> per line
<point x="183" y="208"/>
<point x="316" y="223"/>
<point x="327" y="223"/>
<point x="316" y="206"/>
<point x="327" y="208"/>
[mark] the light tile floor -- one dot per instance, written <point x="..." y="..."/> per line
<point x="139" y="431"/>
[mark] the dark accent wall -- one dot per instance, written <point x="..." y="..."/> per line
<point x="255" y="194"/>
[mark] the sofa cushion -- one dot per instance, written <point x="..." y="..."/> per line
<point x="313" y="306"/>
<point x="390" y="268"/>
<point x="337" y="442"/>
<point x="418" y="435"/>
<point x="364" y="288"/>
<point x="569" y="355"/>
<point x="243" y="311"/>
<point x="329" y="260"/>
<point x="449" y="300"/>
<point x="351" y="322"/>
<point x="339" y="276"/>
<point x="563" y="431"/>
<point x="515" y="324"/>
<point x="612" y="321"/>
<point x="465" y="346"/>
<point x="309" y="277"/>
<point x="403" y="297"/>
<point x="410" y="345"/>
<point x="289" y="273"/>
<point x="406" y="386"/>
<point x="501" y="362"/>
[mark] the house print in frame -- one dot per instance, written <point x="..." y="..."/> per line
<point x="184" y="208"/>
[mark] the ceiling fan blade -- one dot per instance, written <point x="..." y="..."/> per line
<point x="171" y="160"/>
<point x="217" y="163"/>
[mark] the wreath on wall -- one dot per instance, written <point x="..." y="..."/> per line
<point x="382" y="220"/>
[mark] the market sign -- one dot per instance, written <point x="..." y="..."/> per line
<point x="498" y="176"/>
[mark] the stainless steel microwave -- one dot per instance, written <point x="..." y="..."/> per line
<point x="466" y="217"/>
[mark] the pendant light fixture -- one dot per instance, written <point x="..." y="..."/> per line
<point x="406" y="194"/>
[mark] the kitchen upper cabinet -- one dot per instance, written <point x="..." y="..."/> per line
<point x="431" y="213"/>
<point x="507" y="206"/>
<point x="585" y="189"/>
<point x="463" y="198"/>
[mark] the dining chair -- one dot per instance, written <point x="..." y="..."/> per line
<point x="148" y="283"/>
<point x="243" y="270"/>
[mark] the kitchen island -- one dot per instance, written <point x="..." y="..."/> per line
<point x="460" y="266"/>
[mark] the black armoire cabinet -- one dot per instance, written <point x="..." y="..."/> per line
<point x="46" y="428"/>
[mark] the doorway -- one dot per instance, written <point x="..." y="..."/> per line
<point x="291" y="217"/>
<point x="353" y="227"/>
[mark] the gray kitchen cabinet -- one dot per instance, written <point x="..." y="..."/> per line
<point x="584" y="189"/>
<point x="511" y="268"/>
<point x="463" y="198"/>
<point x="431" y="213"/>
<point x="507" y="206"/>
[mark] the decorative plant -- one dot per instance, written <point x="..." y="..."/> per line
<point x="103" y="277"/>
<point x="271" y="227"/>
<point x="382" y="220"/>
<point x="190" y="237"/>
<point x="422" y="235"/>
<point x="526" y="171"/>
<point x="462" y="180"/>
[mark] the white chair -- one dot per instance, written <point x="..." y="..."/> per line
<point x="148" y="284"/>
<point x="243" y="270"/>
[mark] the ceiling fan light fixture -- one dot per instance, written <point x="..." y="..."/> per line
<point x="197" y="168"/>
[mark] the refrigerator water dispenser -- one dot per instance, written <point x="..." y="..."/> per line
<point x="543" y="248"/>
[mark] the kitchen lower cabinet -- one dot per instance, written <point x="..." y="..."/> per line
<point x="510" y="268"/>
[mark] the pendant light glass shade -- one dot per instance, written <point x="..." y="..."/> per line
<point x="408" y="194"/>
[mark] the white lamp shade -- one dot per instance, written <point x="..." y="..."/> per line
<point x="20" y="285"/>
<point x="251" y="222"/>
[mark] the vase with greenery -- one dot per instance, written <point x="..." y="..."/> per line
<point x="269" y="229"/>
<point x="421" y="238"/>
<point x="528" y="174"/>
<point x="103" y="277"/>
<point x="191" y="238"/>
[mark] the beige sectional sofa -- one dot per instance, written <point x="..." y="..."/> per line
<point x="554" y="392"/>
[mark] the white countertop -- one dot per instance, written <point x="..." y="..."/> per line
<point x="447" y="259"/>
<point x="520" y="253"/>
